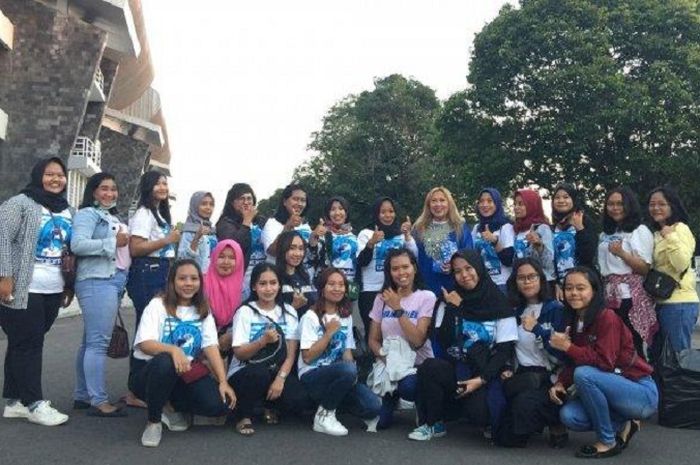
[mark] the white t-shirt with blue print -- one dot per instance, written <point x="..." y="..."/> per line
<point x="564" y="243"/>
<point x="344" y="254"/>
<point x="187" y="330"/>
<point x="54" y="231"/>
<point x="311" y="331"/>
<point x="506" y="236"/>
<point x="249" y="326"/>
<point x="257" y="255"/>
<point x="274" y="228"/>
<point x="143" y="224"/>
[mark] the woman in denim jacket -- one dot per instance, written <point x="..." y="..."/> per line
<point x="101" y="243"/>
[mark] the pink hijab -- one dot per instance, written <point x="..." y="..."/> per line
<point x="224" y="292"/>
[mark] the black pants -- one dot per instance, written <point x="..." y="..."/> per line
<point x="25" y="331"/>
<point x="624" y="313"/>
<point x="156" y="382"/>
<point x="365" y="303"/>
<point x="437" y="386"/>
<point x="251" y="384"/>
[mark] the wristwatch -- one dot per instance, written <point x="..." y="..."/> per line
<point x="282" y="374"/>
<point x="399" y="313"/>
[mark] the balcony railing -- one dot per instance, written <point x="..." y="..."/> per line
<point x="86" y="156"/>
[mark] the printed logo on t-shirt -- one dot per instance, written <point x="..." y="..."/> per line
<point x="335" y="349"/>
<point x="520" y="246"/>
<point x="389" y="313"/>
<point x="382" y="248"/>
<point x="564" y="243"/>
<point x="257" y="249"/>
<point x="168" y="250"/>
<point x="54" y="233"/>
<point x="488" y="255"/>
<point x="447" y="249"/>
<point x="305" y="232"/>
<point x="212" y="242"/>
<point x="344" y="250"/>
<point x="473" y="332"/>
<point x="257" y="329"/>
<point x="187" y="335"/>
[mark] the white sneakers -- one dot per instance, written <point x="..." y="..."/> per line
<point x="174" y="421"/>
<point x="326" y="422"/>
<point x="16" y="410"/>
<point x="152" y="434"/>
<point x="44" y="414"/>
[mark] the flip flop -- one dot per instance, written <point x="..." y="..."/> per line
<point x="271" y="417"/>
<point x="245" y="428"/>
<point x="590" y="451"/>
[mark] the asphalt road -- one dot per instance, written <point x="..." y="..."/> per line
<point x="88" y="440"/>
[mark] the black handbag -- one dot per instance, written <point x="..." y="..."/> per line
<point x="661" y="285"/>
<point x="119" y="344"/>
<point x="274" y="354"/>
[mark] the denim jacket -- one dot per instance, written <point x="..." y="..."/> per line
<point x="204" y="249"/>
<point x="94" y="242"/>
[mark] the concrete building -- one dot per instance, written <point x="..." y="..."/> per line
<point x="75" y="82"/>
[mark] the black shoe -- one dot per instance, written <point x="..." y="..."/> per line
<point x="634" y="427"/>
<point x="95" y="412"/>
<point x="589" y="451"/>
<point x="558" y="441"/>
<point x="80" y="405"/>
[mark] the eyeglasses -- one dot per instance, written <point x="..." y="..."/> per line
<point x="528" y="278"/>
<point x="245" y="198"/>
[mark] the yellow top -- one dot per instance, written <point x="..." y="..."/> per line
<point x="673" y="255"/>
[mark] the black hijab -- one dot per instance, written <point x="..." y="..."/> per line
<point x="483" y="303"/>
<point x="576" y="198"/>
<point x="55" y="203"/>
<point x="392" y="230"/>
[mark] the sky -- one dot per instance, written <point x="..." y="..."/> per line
<point x="245" y="84"/>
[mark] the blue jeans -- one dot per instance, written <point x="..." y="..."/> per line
<point x="605" y="401"/>
<point x="677" y="322"/>
<point x="99" y="300"/>
<point x="335" y="387"/>
<point x="147" y="277"/>
<point x="407" y="389"/>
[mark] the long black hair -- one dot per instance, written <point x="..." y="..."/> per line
<point x="678" y="212"/>
<point x="597" y="303"/>
<point x="514" y="295"/>
<point x="630" y="205"/>
<point x="258" y="270"/>
<point x="284" y="243"/>
<point x="282" y="215"/>
<point x="393" y="253"/>
<point x="235" y="192"/>
<point x="149" y="179"/>
<point x="169" y="296"/>
<point x="91" y="186"/>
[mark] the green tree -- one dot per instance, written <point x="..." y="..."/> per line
<point x="596" y="92"/>
<point x="379" y="142"/>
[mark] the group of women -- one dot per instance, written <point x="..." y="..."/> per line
<point x="507" y="323"/>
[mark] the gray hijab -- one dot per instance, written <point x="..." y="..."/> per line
<point x="194" y="221"/>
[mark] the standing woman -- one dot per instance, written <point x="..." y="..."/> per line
<point x="494" y="237"/>
<point x="533" y="233"/>
<point x="297" y="288"/>
<point x="265" y="343"/>
<point x="340" y="243"/>
<point x="290" y="216"/>
<point x="476" y="326"/>
<point x="625" y="253"/>
<point x="439" y="231"/>
<point x="373" y="244"/>
<point x="223" y="288"/>
<point x="674" y="245"/>
<point x="574" y="239"/>
<point x="326" y="365"/>
<point x="175" y="334"/>
<point x="152" y="242"/>
<point x="526" y="386"/>
<point x="35" y="231"/>
<point x="198" y="235"/>
<point x="100" y="241"/>
<point x="614" y="387"/>
<point x="401" y="318"/>
<point x="241" y="222"/>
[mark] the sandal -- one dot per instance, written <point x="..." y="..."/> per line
<point x="590" y="451"/>
<point x="245" y="427"/>
<point x="271" y="417"/>
<point x="635" y="426"/>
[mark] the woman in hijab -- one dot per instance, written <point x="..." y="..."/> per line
<point x="35" y="233"/>
<point x="494" y="237"/>
<point x="533" y="233"/>
<point x="386" y="232"/>
<point x="223" y="285"/>
<point x="198" y="234"/>
<point x="575" y="242"/>
<point x="477" y="330"/>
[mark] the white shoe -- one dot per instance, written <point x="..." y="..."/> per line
<point x="44" y="414"/>
<point x="174" y="421"/>
<point x="405" y="405"/>
<point x="16" y="410"/>
<point x="152" y="434"/>
<point x="372" y="425"/>
<point x="325" y="422"/>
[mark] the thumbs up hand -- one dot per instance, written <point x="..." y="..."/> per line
<point x="488" y="236"/>
<point x="320" y="229"/>
<point x="560" y="341"/>
<point x="406" y="228"/>
<point x="377" y="236"/>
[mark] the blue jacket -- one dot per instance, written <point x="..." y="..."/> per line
<point x="94" y="242"/>
<point x="436" y="280"/>
<point x="204" y="249"/>
<point x="551" y="319"/>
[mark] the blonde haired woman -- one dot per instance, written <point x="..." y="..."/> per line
<point x="439" y="231"/>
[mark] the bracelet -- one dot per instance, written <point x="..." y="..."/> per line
<point x="282" y="374"/>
